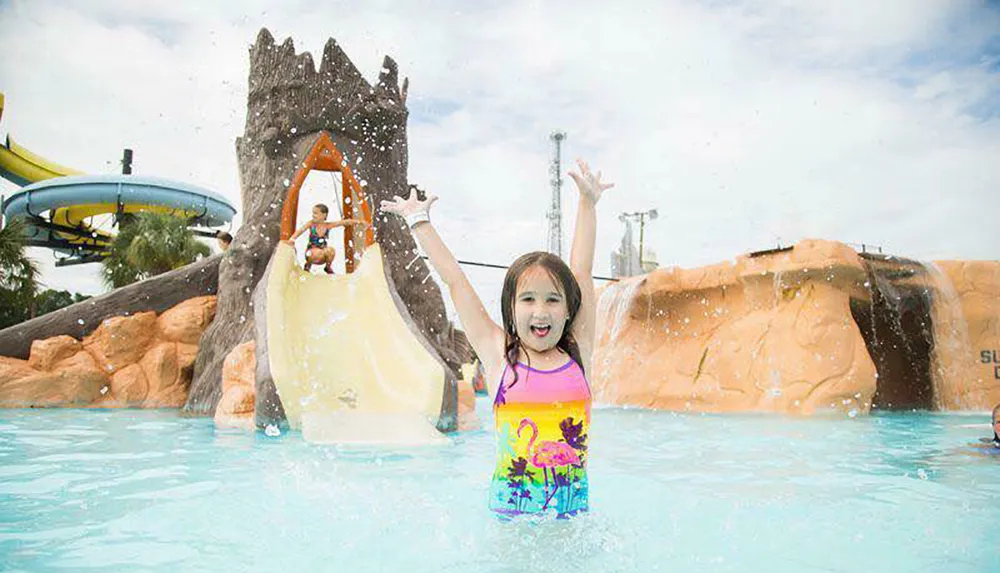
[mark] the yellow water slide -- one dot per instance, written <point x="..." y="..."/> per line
<point x="24" y="167"/>
<point x="29" y="167"/>
<point x="58" y="204"/>
<point x="348" y="363"/>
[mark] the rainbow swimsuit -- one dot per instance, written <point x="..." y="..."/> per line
<point x="542" y="422"/>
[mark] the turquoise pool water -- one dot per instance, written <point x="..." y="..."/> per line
<point x="147" y="490"/>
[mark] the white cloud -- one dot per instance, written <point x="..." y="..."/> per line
<point x="743" y="122"/>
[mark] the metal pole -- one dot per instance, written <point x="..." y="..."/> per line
<point x="555" y="208"/>
<point x="642" y="228"/>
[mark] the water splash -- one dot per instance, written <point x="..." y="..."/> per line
<point x="952" y="345"/>
<point x="614" y="304"/>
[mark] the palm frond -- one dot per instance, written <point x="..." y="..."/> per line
<point x="152" y="244"/>
<point x="18" y="272"/>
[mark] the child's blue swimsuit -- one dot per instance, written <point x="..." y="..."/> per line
<point x="315" y="240"/>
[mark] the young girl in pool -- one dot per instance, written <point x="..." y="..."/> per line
<point x="539" y="358"/>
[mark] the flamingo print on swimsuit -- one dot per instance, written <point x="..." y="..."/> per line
<point x="541" y="424"/>
<point x="547" y="455"/>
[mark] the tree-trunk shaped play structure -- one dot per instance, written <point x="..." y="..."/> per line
<point x="333" y="113"/>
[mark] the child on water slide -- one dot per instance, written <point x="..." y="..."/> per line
<point x="318" y="251"/>
<point x="539" y="358"/>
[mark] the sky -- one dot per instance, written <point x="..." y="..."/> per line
<point x="744" y="123"/>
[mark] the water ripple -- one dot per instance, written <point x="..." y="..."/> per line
<point x="130" y="490"/>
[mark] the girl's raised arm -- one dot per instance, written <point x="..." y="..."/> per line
<point x="581" y="257"/>
<point x="301" y="230"/>
<point x="344" y="223"/>
<point x="485" y="336"/>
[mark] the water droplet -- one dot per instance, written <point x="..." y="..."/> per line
<point x="272" y="431"/>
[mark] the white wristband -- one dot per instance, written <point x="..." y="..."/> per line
<point x="414" y="219"/>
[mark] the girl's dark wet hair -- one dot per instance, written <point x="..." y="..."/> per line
<point x="323" y="208"/>
<point x="563" y="277"/>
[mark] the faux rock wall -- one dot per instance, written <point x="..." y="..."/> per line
<point x="137" y="361"/>
<point x="239" y="397"/>
<point x="776" y="333"/>
<point x="967" y="328"/>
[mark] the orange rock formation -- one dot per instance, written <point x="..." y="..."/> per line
<point x="797" y="331"/>
<point x="239" y="394"/>
<point x="138" y="361"/>
<point x="967" y="329"/>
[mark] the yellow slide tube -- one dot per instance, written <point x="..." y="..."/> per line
<point x="29" y="166"/>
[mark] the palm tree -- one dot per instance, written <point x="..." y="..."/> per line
<point x="18" y="275"/>
<point x="151" y="244"/>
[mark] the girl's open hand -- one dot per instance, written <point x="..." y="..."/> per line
<point x="409" y="206"/>
<point x="589" y="185"/>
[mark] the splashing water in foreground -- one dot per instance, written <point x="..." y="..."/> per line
<point x="125" y="490"/>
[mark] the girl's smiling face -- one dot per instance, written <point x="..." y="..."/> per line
<point x="540" y="310"/>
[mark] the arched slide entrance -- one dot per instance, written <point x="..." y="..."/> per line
<point x="324" y="156"/>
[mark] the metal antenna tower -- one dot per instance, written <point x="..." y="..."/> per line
<point x="555" y="210"/>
